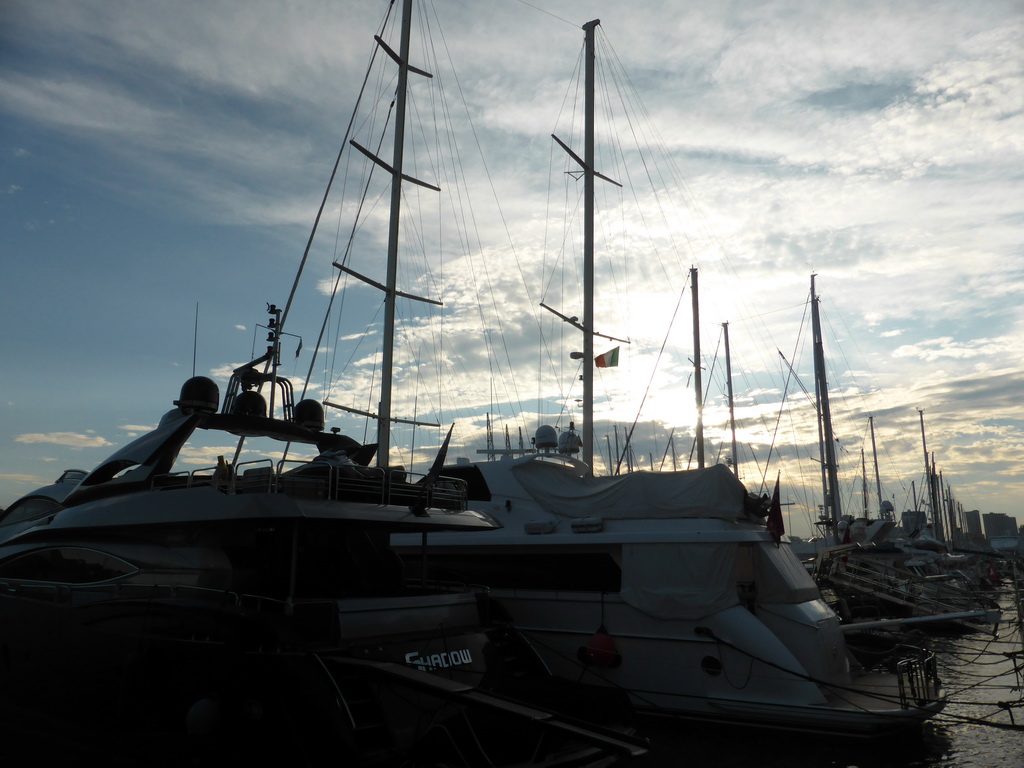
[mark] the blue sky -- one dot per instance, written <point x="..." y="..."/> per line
<point x="157" y="156"/>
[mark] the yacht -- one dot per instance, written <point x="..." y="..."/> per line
<point x="254" y="607"/>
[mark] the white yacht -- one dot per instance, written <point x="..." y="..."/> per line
<point x="669" y="585"/>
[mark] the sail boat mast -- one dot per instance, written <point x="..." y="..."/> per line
<point x="588" y="248"/>
<point x="387" y="363"/>
<point x="732" y="405"/>
<point x="586" y="163"/>
<point x="874" y="457"/>
<point x="698" y="388"/>
<point x="829" y="470"/>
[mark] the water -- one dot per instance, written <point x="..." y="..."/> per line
<point x="978" y="674"/>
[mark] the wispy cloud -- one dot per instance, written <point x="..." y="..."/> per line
<point x="66" y="439"/>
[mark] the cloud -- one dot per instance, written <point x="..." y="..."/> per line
<point x="946" y="347"/>
<point x="67" y="439"/>
<point x="19" y="478"/>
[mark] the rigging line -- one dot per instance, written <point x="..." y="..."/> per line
<point x="647" y="391"/>
<point x="782" y="404"/>
<point x="347" y="253"/>
<point x="501" y="215"/>
<point x="574" y="80"/>
<point x="330" y="182"/>
<point x="647" y="171"/>
<point x="701" y="219"/>
<point x="559" y="18"/>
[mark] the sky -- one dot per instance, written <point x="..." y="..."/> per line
<point x="161" y="165"/>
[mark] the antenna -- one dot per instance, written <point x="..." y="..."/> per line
<point x="195" y="340"/>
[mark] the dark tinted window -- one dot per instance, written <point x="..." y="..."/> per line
<point x="65" y="565"/>
<point x="583" y="572"/>
<point x="29" y="509"/>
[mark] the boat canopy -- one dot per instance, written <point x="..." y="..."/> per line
<point x="679" y="581"/>
<point x="690" y="581"/>
<point x="563" y="490"/>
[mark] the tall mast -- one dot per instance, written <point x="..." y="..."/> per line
<point x="588" y="247"/>
<point x="929" y="473"/>
<point x="829" y="470"/>
<point x="698" y="389"/>
<point x="874" y="456"/>
<point x="732" y="408"/>
<point x="586" y="163"/>
<point x="387" y="364"/>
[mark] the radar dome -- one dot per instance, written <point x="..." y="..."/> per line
<point x="546" y="437"/>
<point x="569" y="443"/>
<point x="250" y="403"/>
<point x="310" y="414"/>
<point x="199" y="394"/>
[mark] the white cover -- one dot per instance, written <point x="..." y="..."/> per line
<point x="679" y="581"/>
<point x="563" y="490"/>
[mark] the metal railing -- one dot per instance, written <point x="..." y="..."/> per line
<point x="322" y="480"/>
<point x="918" y="681"/>
<point x="923" y="595"/>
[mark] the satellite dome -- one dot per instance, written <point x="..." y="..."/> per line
<point x="250" y="403"/>
<point x="569" y="443"/>
<point x="546" y="437"/>
<point x="199" y="394"/>
<point x="310" y="414"/>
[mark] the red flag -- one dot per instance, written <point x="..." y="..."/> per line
<point x="774" y="521"/>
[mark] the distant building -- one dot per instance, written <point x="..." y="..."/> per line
<point x="973" y="519"/>
<point x="998" y="525"/>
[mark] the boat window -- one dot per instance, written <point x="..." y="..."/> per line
<point x="575" y="571"/>
<point x="781" y="578"/>
<point x="65" y="565"/>
<point x="29" y="508"/>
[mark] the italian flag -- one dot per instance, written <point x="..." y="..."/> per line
<point x="609" y="359"/>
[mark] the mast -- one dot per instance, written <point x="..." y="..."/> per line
<point x="391" y="284"/>
<point x="384" y="415"/>
<point x="732" y="409"/>
<point x="940" y="525"/>
<point x="698" y="389"/>
<point x="864" y="482"/>
<point x="588" y="248"/>
<point x="874" y="456"/>
<point x="586" y="163"/>
<point x="830" y="472"/>
<point x="929" y="474"/>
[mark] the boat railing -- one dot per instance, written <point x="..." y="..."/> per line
<point x="327" y="481"/>
<point x="918" y="679"/>
<point x="844" y="574"/>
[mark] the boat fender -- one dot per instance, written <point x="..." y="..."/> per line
<point x="600" y="651"/>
